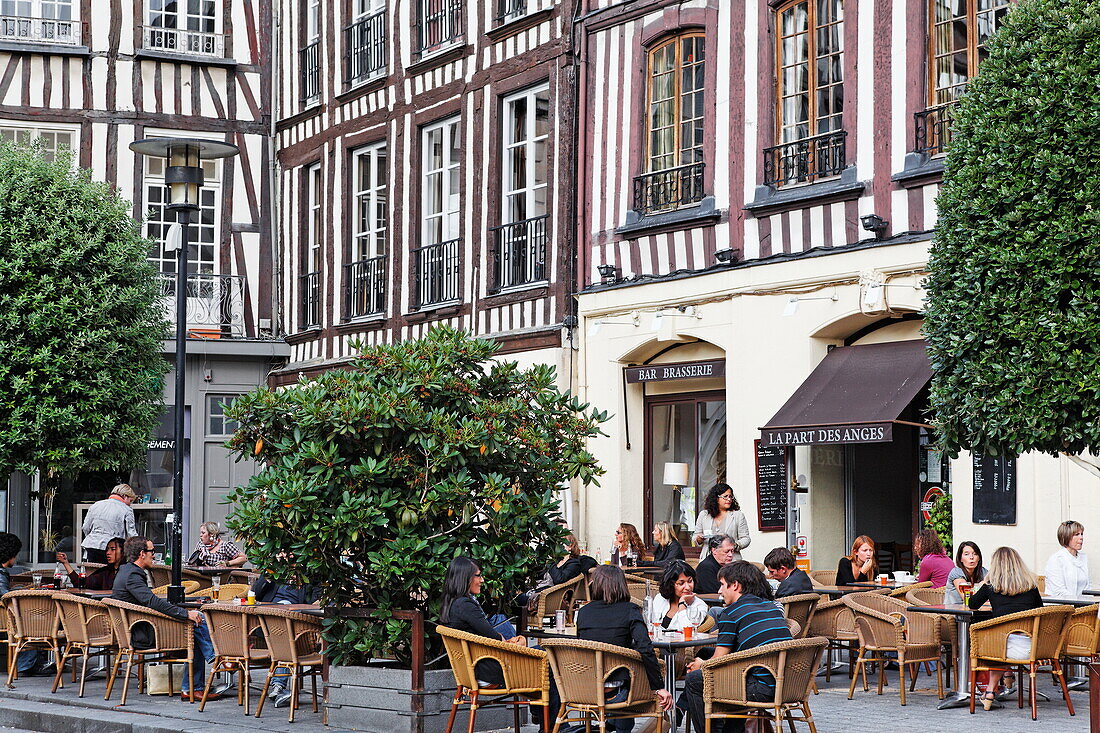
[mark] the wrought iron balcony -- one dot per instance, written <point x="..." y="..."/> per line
<point x="806" y="160"/>
<point x="511" y="9"/>
<point x="177" y="40"/>
<point x="365" y="48"/>
<point x="309" y="61"/>
<point x="933" y="129"/>
<point x="670" y="188"/>
<point x="437" y="272"/>
<point x="311" y="300"/>
<point x="39" y="30"/>
<point x="365" y="287"/>
<point x="519" y="253"/>
<point x="440" y="24"/>
<point x="215" y="305"/>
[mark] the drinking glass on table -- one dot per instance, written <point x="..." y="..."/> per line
<point x="216" y="587"/>
<point x="36" y="580"/>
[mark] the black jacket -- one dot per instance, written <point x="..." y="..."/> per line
<point x="795" y="584"/>
<point x="268" y="591"/>
<point x="132" y="586"/>
<point x="844" y="574"/>
<point x="664" y="554"/>
<point x="706" y="575"/>
<point x="573" y="567"/>
<point x="620" y="624"/>
<point x="466" y="614"/>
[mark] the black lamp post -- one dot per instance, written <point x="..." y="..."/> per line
<point x="183" y="175"/>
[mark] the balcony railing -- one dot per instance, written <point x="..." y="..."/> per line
<point x="309" y="61"/>
<point x="933" y="128"/>
<point x="365" y="48"/>
<point x="215" y="304"/>
<point x="176" y="40"/>
<point x="671" y="188"/>
<point x="519" y="253"/>
<point x="511" y="9"/>
<point x="437" y="270"/>
<point x="365" y="287"/>
<point x="440" y="24"/>
<point x="39" y="30"/>
<point x="311" y="300"/>
<point x="805" y="161"/>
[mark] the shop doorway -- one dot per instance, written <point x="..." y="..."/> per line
<point x="882" y="498"/>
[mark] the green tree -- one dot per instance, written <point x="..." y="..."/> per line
<point x="81" y="324"/>
<point x="1013" y="321"/>
<point x="377" y="475"/>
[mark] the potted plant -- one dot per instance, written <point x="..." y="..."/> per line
<point x="377" y="475"/>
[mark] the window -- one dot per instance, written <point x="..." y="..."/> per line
<point x="365" y="42"/>
<point x="52" y="141"/>
<point x="439" y="24"/>
<point x="183" y="26"/>
<point x="960" y="29"/>
<point x="437" y="259"/>
<point x="365" y="276"/>
<point x="309" y="57"/>
<point x="675" y="105"/>
<point x="520" y="246"/>
<point x="159" y="219"/>
<point x="311" y="280"/>
<point x="217" y="422"/>
<point x="39" y="21"/>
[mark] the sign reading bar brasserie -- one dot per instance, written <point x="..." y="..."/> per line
<point x="683" y="370"/>
<point x="829" y="434"/>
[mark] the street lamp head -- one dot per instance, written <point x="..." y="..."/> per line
<point x="183" y="164"/>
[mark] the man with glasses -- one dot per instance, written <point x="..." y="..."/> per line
<point x="132" y="586"/>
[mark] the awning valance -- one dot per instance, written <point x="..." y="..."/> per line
<point x="855" y="395"/>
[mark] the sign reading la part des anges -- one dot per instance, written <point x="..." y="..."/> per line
<point x="829" y="434"/>
<point x="683" y="370"/>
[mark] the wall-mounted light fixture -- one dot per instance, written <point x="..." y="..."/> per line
<point x="792" y="303"/>
<point x="727" y="256"/>
<point x="608" y="273"/>
<point x="874" y="223"/>
<point x="599" y="323"/>
<point x="681" y="311"/>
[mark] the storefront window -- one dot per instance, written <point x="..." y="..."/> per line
<point x="691" y="431"/>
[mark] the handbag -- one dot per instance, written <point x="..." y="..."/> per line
<point x="156" y="678"/>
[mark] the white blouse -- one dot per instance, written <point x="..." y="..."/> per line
<point x="693" y="614"/>
<point x="1067" y="576"/>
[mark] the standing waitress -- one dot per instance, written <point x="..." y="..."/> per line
<point x="722" y="515"/>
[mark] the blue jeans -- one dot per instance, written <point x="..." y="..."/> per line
<point x="27" y="659"/>
<point x="501" y="623"/>
<point x="204" y="652"/>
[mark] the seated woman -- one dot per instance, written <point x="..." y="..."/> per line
<point x="460" y="610"/>
<point x="860" y="566"/>
<point x="214" y="552"/>
<point x="101" y="578"/>
<point x="1010" y="587"/>
<point x="627" y="548"/>
<point x="1067" y="570"/>
<point x="666" y="548"/>
<point x="935" y="565"/>
<point x="611" y="618"/>
<point x="574" y="563"/>
<point x="676" y="605"/>
<point x="968" y="569"/>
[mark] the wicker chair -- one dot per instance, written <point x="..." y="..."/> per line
<point x="836" y="622"/>
<point x="822" y="578"/>
<point x="801" y="608"/>
<point x="173" y="643"/>
<point x="1083" y="635"/>
<point x="228" y="591"/>
<point x="190" y="588"/>
<point x="904" y="590"/>
<point x="925" y="596"/>
<point x="580" y="670"/>
<point x="526" y="675"/>
<point x="294" y="641"/>
<point x="883" y="627"/>
<point x="1047" y="628"/>
<point x="949" y="630"/>
<point x="203" y="581"/>
<point x="88" y="633"/>
<point x="230" y="628"/>
<point x="160" y="574"/>
<point x="32" y="624"/>
<point x="557" y="597"/>
<point x="792" y="663"/>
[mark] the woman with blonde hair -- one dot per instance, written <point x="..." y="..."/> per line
<point x="627" y="545"/>
<point x="1009" y="587"/>
<point x="214" y="552"/>
<point x="1067" y="571"/>
<point x="666" y="547"/>
<point x="860" y="566"/>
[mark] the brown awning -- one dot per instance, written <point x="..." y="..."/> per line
<point x="855" y="395"/>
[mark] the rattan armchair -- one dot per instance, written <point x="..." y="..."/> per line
<point x="834" y="621"/>
<point x="557" y="597"/>
<point x="173" y="643"/>
<point x="883" y="627"/>
<point x="904" y="590"/>
<point x="1082" y="642"/>
<point x="801" y="608"/>
<point x="190" y="588"/>
<point x="822" y="578"/>
<point x="160" y="575"/>
<point x="792" y="663"/>
<point x="526" y="675"/>
<point x="228" y="591"/>
<point x="230" y="628"/>
<point x="582" y="667"/>
<point x="293" y="641"/>
<point x="1047" y="627"/>
<point x="32" y="624"/>
<point x="88" y="633"/>
<point x="949" y="630"/>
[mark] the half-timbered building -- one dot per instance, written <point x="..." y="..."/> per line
<point x="422" y="151"/>
<point x="92" y="76"/>
<point x="757" y="190"/>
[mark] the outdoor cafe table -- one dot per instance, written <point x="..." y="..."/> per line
<point x="963" y="618"/>
<point x="667" y="642"/>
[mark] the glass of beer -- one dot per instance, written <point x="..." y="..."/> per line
<point x="964" y="591"/>
<point x="216" y="587"/>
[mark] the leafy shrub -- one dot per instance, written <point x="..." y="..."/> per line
<point x="1013" y="320"/>
<point x="376" y="476"/>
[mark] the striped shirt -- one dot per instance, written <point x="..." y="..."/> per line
<point x="749" y="623"/>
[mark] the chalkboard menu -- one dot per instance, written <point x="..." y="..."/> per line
<point x="771" y="486"/>
<point x="994" y="489"/>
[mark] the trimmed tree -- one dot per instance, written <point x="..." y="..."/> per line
<point x="377" y="475"/>
<point x="1013" y="321"/>
<point x="81" y="323"/>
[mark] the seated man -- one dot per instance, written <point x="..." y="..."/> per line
<point x="132" y="586"/>
<point x="745" y="623"/>
<point x="30" y="661"/>
<point x="721" y="549"/>
<point x="792" y="581"/>
<point x="268" y="591"/>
